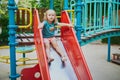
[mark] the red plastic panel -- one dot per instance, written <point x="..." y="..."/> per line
<point x="42" y="62"/>
<point x="74" y="51"/>
<point x="31" y="73"/>
<point x="40" y="48"/>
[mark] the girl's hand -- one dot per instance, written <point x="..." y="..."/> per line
<point x="65" y="24"/>
<point x="52" y="29"/>
<point x="40" y="26"/>
<point x="71" y="25"/>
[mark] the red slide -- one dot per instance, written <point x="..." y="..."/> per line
<point x="74" y="69"/>
<point x="74" y="51"/>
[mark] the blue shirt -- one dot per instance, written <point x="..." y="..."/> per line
<point x="47" y="33"/>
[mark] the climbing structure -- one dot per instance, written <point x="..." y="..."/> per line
<point x="94" y="20"/>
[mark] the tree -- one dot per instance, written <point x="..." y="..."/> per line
<point x="25" y="3"/>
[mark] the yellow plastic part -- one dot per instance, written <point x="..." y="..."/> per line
<point x="26" y="26"/>
<point x="5" y="58"/>
<point x="23" y="59"/>
<point x="73" y="17"/>
<point x="4" y="47"/>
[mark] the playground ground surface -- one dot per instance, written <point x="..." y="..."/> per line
<point x="96" y="58"/>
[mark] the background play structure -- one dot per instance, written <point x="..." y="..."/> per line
<point x="90" y="25"/>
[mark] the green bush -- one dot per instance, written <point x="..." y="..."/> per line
<point x="4" y="34"/>
<point x="114" y="40"/>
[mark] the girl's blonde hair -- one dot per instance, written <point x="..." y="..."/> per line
<point x="50" y="10"/>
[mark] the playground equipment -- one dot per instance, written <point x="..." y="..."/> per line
<point x="4" y="59"/>
<point x="75" y="55"/>
<point x="21" y="14"/>
<point x="25" y="40"/>
<point x="89" y="26"/>
<point x="93" y="21"/>
<point x="116" y="58"/>
<point x="24" y="50"/>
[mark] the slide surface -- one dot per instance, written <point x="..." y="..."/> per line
<point x="75" y="68"/>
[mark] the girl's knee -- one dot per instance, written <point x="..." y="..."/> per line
<point x="46" y="40"/>
<point x="47" y="44"/>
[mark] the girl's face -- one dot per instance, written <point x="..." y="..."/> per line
<point x="51" y="16"/>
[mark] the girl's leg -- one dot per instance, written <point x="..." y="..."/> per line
<point x="47" y="46"/>
<point x="58" y="49"/>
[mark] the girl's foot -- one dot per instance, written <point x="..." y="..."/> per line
<point x="63" y="58"/>
<point x="50" y="60"/>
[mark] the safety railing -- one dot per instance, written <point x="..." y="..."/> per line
<point x="72" y="15"/>
<point x="98" y="16"/>
<point x="24" y="17"/>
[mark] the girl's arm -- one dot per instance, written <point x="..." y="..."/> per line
<point x="65" y="24"/>
<point x="41" y="25"/>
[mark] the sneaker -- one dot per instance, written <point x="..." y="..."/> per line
<point x="50" y="60"/>
<point x="63" y="58"/>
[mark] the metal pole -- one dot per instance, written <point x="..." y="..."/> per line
<point x="12" y="31"/>
<point x="51" y="4"/>
<point x="109" y="19"/>
<point x="109" y="49"/>
<point x="66" y="5"/>
<point x="78" y="26"/>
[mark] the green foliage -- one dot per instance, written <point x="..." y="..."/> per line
<point x="44" y="4"/>
<point x="4" y="20"/>
<point x="58" y="6"/>
<point x="4" y="37"/>
<point x="33" y="3"/>
<point x="3" y="7"/>
<point x="1" y="11"/>
<point x="4" y="34"/>
<point x="114" y="40"/>
<point x="3" y="23"/>
<point x="25" y="3"/>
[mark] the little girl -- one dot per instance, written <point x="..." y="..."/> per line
<point x="48" y="30"/>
